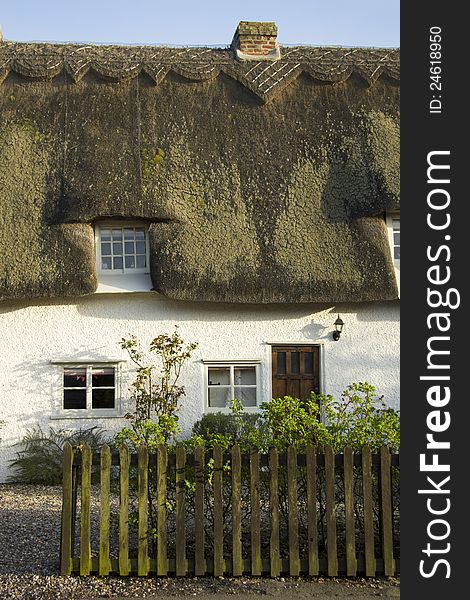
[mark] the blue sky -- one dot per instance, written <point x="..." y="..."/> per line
<point x="212" y="22"/>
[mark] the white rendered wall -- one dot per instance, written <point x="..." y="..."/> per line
<point x="32" y="335"/>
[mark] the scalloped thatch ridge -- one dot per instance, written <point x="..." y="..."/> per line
<point x="118" y="63"/>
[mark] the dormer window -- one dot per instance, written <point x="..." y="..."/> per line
<point x="395" y="233"/>
<point x="123" y="249"/>
<point x="122" y="256"/>
<point x="393" y="227"/>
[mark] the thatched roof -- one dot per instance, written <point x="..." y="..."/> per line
<point x="263" y="182"/>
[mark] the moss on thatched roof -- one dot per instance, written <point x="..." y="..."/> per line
<point x="262" y="182"/>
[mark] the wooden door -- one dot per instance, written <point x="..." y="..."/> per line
<point x="296" y="371"/>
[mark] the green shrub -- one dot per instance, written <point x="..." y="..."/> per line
<point x="226" y="429"/>
<point x="39" y="459"/>
<point x="291" y="422"/>
<point x="359" y="418"/>
<point x="162" y="430"/>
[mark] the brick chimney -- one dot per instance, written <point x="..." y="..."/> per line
<point x="256" y="41"/>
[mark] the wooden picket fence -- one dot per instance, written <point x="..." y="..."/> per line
<point x="375" y="477"/>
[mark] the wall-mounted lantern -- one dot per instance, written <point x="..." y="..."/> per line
<point x="338" y="329"/>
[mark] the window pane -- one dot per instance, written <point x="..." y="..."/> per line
<point x="140" y="233"/>
<point x="102" y="398"/>
<point x="308" y="362"/>
<point x="75" y="377"/>
<point x="245" y="376"/>
<point x="141" y="261"/>
<point x="128" y="233"/>
<point x="281" y="363"/>
<point x="129" y="248"/>
<point x="106" y="248"/>
<point x="105" y="235"/>
<point x="130" y="262"/>
<point x="75" y="399"/>
<point x="219" y="376"/>
<point x="218" y="397"/>
<point x="396" y="252"/>
<point x="117" y="235"/>
<point x="117" y="262"/>
<point x="106" y="262"/>
<point x="140" y="247"/>
<point x="295" y="362"/>
<point x="246" y="395"/>
<point x="102" y="377"/>
<point x="396" y="224"/>
<point x="396" y="239"/>
<point x="117" y="248"/>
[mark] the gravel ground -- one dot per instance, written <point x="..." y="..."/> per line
<point x="29" y="543"/>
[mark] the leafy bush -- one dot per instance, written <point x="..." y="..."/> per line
<point x="291" y="422"/>
<point x="226" y="429"/>
<point x="40" y="458"/>
<point x="163" y="430"/>
<point x="357" y="419"/>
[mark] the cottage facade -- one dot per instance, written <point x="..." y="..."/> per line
<point x="249" y="195"/>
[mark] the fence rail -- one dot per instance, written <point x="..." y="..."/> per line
<point x="229" y="513"/>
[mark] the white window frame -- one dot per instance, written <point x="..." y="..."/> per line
<point x="232" y="365"/>
<point x="121" y="272"/>
<point x="389" y="219"/>
<point x="59" y="412"/>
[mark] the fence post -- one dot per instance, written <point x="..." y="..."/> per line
<point x="67" y="512"/>
<point x="312" y="510"/>
<point x="332" y="553"/>
<point x="386" y="511"/>
<point x="368" y="512"/>
<point x="180" y="511"/>
<point x="124" y="511"/>
<point x="105" y="479"/>
<point x="218" y="513"/>
<point x="162" y="464"/>
<point x="294" y="559"/>
<point x="255" y="514"/>
<point x="199" y="566"/>
<point x="348" y="472"/>
<point x="237" y="562"/>
<point x="143" y="492"/>
<point x="274" y="551"/>
<point x="75" y="480"/>
<point x="85" y="544"/>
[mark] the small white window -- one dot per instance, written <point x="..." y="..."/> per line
<point x="396" y="239"/>
<point x="122" y="256"/>
<point x="393" y="226"/>
<point x="87" y="390"/>
<point x="122" y="249"/>
<point x="228" y="381"/>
